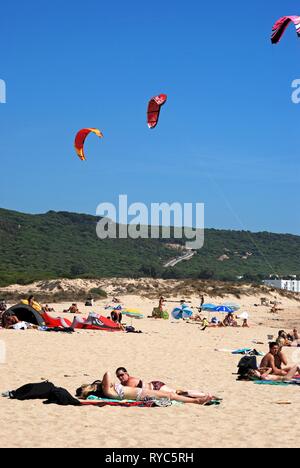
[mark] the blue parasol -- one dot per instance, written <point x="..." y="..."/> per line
<point x="224" y="309"/>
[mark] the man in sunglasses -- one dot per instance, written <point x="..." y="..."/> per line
<point x="127" y="380"/>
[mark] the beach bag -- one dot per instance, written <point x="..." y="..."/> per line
<point x="246" y="364"/>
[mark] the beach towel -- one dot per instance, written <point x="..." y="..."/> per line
<point x="248" y="351"/>
<point x="282" y="384"/>
<point x="95" y="401"/>
<point x="270" y="382"/>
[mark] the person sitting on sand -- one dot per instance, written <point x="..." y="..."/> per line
<point x="266" y="374"/>
<point x="197" y="317"/>
<point x="161" y="304"/>
<point x="115" y="300"/>
<point x="73" y="309"/>
<point x="106" y="388"/>
<point x="245" y="324"/>
<point x="46" y="308"/>
<point x="8" y="321"/>
<point x="11" y="322"/>
<point x="129" y="381"/>
<point x="282" y="339"/>
<point x="116" y="316"/>
<point x="274" y="309"/>
<point x="274" y="361"/>
<point x="295" y="338"/>
<point x="214" y="323"/>
<point x="229" y="320"/>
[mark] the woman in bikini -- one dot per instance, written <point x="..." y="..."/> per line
<point x="265" y="374"/>
<point x="108" y="389"/>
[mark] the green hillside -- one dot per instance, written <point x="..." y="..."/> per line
<point x="65" y="244"/>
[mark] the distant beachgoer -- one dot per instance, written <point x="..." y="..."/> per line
<point x="31" y="301"/>
<point x="3" y="308"/>
<point x="89" y="302"/>
<point x="11" y="322"/>
<point x="108" y="389"/>
<point x="201" y="302"/>
<point x="8" y="321"/>
<point x="214" y="323"/>
<point x="116" y="316"/>
<point x="245" y="324"/>
<point x="161" y="304"/>
<point x="115" y="300"/>
<point x="283" y="339"/>
<point x="197" y="317"/>
<point x="274" y="309"/>
<point x="73" y="309"/>
<point x="229" y="320"/>
<point x="46" y="308"/>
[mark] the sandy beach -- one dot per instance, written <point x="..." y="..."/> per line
<point x="177" y="353"/>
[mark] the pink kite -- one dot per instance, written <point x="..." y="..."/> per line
<point x="154" y="109"/>
<point x="281" y="25"/>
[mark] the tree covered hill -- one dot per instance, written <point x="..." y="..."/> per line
<point x="62" y="244"/>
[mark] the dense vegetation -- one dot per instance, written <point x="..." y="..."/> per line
<point x="65" y="245"/>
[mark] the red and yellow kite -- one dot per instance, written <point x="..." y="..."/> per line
<point x="80" y="139"/>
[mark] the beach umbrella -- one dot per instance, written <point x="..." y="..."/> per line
<point x="208" y="307"/>
<point x="232" y="305"/>
<point x="177" y="313"/>
<point x="224" y="309"/>
<point x="133" y="313"/>
<point x="183" y="312"/>
<point x="187" y="313"/>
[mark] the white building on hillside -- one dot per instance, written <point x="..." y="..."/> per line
<point x="287" y="284"/>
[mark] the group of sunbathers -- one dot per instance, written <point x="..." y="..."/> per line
<point x="229" y="321"/>
<point x="274" y="366"/>
<point x="288" y="339"/>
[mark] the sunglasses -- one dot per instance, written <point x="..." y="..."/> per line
<point x="120" y="375"/>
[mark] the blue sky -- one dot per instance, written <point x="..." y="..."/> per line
<point x="228" y="135"/>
